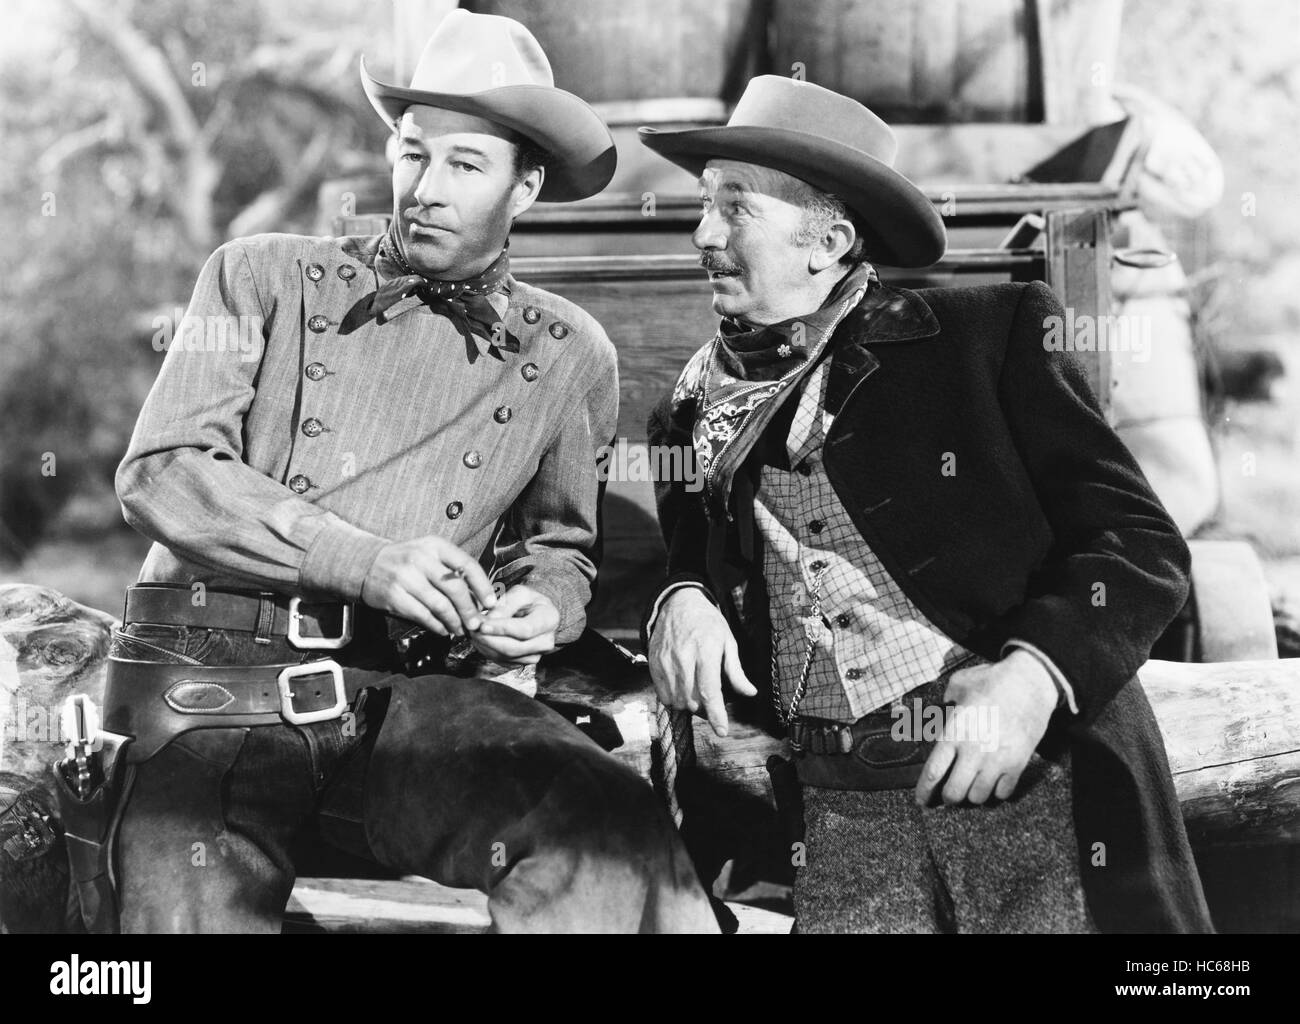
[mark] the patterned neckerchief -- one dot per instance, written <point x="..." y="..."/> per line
<point x="732" y="411"/>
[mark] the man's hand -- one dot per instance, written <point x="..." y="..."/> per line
<point x="520" y="629"/>
<point x="431" y="582"/>
<point x="691" y="648"/>
<point x="1019" y="696"/>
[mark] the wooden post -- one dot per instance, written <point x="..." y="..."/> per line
<point x="1078" y="270"/>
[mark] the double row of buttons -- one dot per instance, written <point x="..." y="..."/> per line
<point x="472" y="459"/>
<point x="346" y="271"/>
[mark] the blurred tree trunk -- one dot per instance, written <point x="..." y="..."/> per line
<point x="182" y="138"/>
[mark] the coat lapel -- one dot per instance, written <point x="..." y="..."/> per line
<point x="897" y="314"/>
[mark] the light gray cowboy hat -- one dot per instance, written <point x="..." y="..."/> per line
<point x="493" y="67"/>
<point x="833" y="143"/>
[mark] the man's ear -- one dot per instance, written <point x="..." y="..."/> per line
<point x="828" y="250"/>
<point x="526" y="189"/>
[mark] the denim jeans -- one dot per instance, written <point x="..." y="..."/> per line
<point x="464" y="781"/>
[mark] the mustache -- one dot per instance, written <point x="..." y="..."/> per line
<point x="716" y="263"/>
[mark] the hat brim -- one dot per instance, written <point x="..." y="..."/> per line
<point x="581" y="157"/>
<point x="901" y="227"/>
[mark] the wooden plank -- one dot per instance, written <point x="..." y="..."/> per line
<point x="365" y="905"/>
<point x="350" y="905"/>
<point x="681" y="207"/>
<point x="1078" y="270"/>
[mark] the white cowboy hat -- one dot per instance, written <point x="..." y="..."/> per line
<point x="493" y="67"/>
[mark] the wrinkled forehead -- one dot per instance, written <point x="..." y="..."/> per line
<point x="722" y="176"/>
<point x="425" y="125"/>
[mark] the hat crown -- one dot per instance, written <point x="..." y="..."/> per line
<point x="772" y="101"/>
<point x="472" y="53"/>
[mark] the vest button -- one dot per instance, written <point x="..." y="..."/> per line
<point x="853" y="673"/>
<point x="503" y="414"/>
<point x="454" y="509"/>
<point x="817" y="566"/>
<point x="816" y="526"/>
<point x="298" y="484"/>
<point x="844" y="620"/>
<point x="315" y="271"/>
<point x="529" y="371"/>
<point x="347" y="272"/>
<point x="317" y="324"/>
<point x="316" y="371"/>
<point x="312" y="427"/>
<point x="804" y="469"/>
<point x="532" y="314"/>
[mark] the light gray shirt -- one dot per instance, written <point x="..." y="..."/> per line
<point x="274" y="451"/>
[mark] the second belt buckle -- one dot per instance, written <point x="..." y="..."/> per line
<point x="311" y="668"/>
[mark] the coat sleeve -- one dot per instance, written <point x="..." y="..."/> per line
<point x="183" y="481"/>
<point x="1117" y="573"/>
<point x="550" y="539"/>
<point x="682" y="518"/>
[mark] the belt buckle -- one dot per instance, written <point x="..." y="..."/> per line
<point x="311" y="668"/>
<point x="317" y="643"/>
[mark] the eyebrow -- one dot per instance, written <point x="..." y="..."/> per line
<point x="463" y="150"/>
<point x="730" y="185"/>
<point x="407" y="138"/>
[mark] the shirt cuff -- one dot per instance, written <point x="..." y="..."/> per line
<point x="338" y="560"/>
<point x="1063" y="688"/>
<point x="663" y="596"/>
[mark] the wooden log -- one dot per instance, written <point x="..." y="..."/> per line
<point x="1231" y="731"/>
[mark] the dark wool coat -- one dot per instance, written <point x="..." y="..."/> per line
<point x="1042" y="528"/>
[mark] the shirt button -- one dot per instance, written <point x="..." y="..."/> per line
<point x="315" y="271"/>
<point x="853" y="673"/>
<point x="299" y="483"/>
<point x="472" y="459"/>
<point x="454" y="509"/>
<point x="816" y="526"/>
<point x="312" y="427"/>
<point x="317" y="324"/>
<point x="529" y="371"/>
<point x="817" y="566"/>
<point x="558" y="330"/>
<point x="844" y="620"/>
<point x="315" y="371"/>
<point x="502" y="415"/>
<point x="532" y="314"/>
<point x="347" y="272"/>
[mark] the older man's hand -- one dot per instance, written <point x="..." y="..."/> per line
<point x="691" y="649"/>
<point x="1015" y="699"/>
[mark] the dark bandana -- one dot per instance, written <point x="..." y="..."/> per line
<point x="465" y="303"/>
<point x="739" y="380"/>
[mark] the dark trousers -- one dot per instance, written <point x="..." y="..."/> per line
<point x="464" y="781"/>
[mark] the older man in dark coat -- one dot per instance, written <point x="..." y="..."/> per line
<point x="913" y="512"/>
